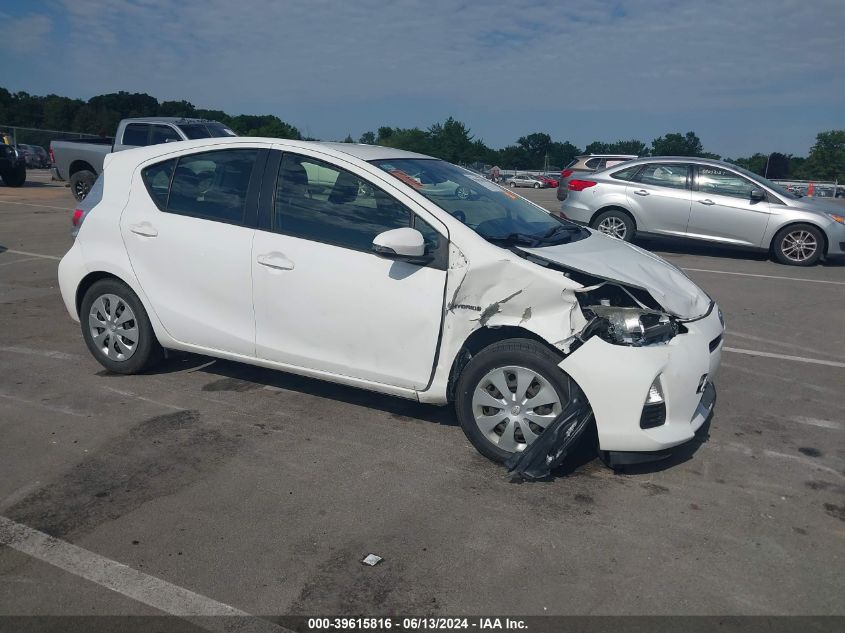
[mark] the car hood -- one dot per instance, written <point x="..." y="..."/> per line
<point x="615" y="260"/>
<point x="817" y="205"/>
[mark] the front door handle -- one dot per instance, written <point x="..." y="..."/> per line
<point x="144" y="228"/>
<point x="275" y="260"/>
<point x="641" y="192"/>
<point x="706" y="201"/>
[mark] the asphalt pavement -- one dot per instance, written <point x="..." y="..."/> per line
<point x="228" y="486"/>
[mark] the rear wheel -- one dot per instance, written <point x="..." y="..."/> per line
<point x="508" y="394"/>
<point x="536" y="185"/>
<point x="81" y="183"/>
<point x="798" y="245"/>
<point x="615" y="223"/>
<point x="116" y="328"/>
<point x="15" y="177"/>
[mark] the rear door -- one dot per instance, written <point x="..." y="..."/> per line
<point x="660" y="198"/>
<point x="188" y="230"/>
<point x="722" y="208"/>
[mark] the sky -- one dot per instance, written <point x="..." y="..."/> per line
<point x="745" y="76"/>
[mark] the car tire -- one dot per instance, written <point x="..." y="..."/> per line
<point x="798" y="245"/>
<point x="525" y="356"/>
<point x="15" y="177"/>
<point x="513" y="185"/>
<point x="81" y="183"/>
<point x="536" y="185"/>
<point x="108" y="329"/>
<point x="615" y="223"/>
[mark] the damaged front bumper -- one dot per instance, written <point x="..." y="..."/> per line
<point x="616" y="380"/>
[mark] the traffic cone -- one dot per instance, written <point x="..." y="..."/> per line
<point x="810" y="190"/>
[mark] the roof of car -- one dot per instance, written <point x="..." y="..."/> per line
<point x="607" y="156"/>
<point x="168" y="119"/>
<point x="676" y="159"/>
<point x="359" y="151"/>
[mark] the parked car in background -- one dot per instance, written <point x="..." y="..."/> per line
<point x="36" y="157"/>
<point x="12" y="166"/>
<point x="81" y="161"/>
<point x="703" y="199"/>
<point x="487" y="302"/>
<point x="549" y="180"/>
<point x="587" y="163"/>
<point x="526" y="180"/>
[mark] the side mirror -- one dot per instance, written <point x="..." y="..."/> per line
<point x="757" y="195"/>
<point x="405" y="244"/>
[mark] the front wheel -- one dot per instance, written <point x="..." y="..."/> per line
<point x="508" y="394"/>
<point x="116" y="328"/>
<point x="798" y="245"/>
<point x="616" y="224"/>
<point x="513" y="184"/>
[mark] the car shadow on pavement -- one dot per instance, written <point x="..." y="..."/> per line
<point x="677" y="247"/>
<point x="239" y="377"/>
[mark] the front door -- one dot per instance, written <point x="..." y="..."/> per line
<point x="188" y="230"/>
<point x="323" y="300"/>
<point x="722" y="209"/>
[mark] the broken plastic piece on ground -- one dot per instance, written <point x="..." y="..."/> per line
<point x="372" y="560"/>
<point x="549" y="450"/>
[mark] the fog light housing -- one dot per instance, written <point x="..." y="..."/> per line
<point x="654" y="409"/>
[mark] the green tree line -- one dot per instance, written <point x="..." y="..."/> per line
<point x="451" y="140"/>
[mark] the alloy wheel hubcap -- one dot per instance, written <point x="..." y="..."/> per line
<point x="614" y="227"/>
<point x="512" y="405"/>
<point x="113" y="327"/>
<point x="799" y="246"/>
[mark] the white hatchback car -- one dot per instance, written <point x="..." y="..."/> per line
<point x="382" y="281"/>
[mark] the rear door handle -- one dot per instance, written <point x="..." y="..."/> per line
<point x="275" y="260"/>
<point x="144" y="228"/>
<point x="706" y="201"/>
<point x="641" y="192"/>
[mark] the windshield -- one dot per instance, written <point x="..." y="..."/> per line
<point x="495" y="213"/>
<point x="210" y="129"/>
<point x="765" y="181"/>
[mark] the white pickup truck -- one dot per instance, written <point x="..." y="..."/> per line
<point x="80" y="162"/>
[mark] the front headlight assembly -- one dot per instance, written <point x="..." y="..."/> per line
<point x="634" y="327"/>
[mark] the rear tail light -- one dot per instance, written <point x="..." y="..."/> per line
<point x="76" y="219"/>
<point x="52" y="156"/>
<point x="566" y="173"/>
<point x="580" y="185"/>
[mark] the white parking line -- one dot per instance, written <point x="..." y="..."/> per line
<point x="727" y="272"/>
<point x="800" y="359"/>
<point x="129" y="582"/>
<point x="20" y="261"/>
<point x="49" y="353"/>
<point x="29" y="204"/>
<point x="42" y="256"/>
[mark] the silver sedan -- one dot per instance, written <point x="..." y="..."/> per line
<point x="526" y="180"/>
<point x="710" y="200"/>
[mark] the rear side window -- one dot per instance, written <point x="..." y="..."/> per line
<point x="593" y="163"/>
<point x="672" y="175"/>
<point x="136" y="134"/>
<point x="212" y="185"/>
<point x="157" y="179"/>
<point x="626" y="174"/>
<point x="162" y="134"/>
<point x="323" y="203"/>
<point x="209" y="185"/>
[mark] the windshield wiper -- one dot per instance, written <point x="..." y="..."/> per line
<point x="554" y="234"/>
<point x="512" y="239"/>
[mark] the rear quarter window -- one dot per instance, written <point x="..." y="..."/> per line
<point x="157" y="180"/>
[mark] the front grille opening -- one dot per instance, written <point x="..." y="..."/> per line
<point x="653" y="415"/>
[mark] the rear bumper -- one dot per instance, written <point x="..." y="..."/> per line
<point x="616" y="380"/>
